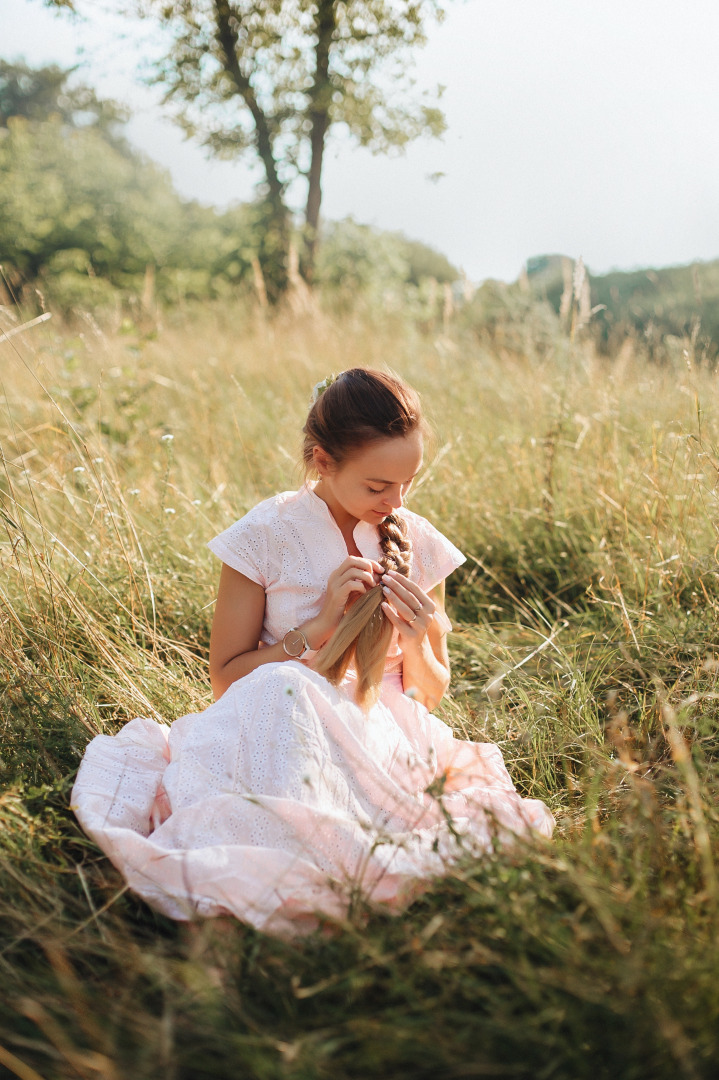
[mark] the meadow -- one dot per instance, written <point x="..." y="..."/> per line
<point x="583" y="489"/>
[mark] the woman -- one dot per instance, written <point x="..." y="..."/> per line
<point x="319" y="772"/>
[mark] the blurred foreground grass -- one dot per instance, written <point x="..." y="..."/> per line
<point x="584" y="494"/>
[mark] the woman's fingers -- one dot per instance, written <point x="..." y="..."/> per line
<point x="407" y="625"/>
<point x="404" y="608"/>
<point x="392" y="615"/>
<point x="357" y="563"/>
<point x="356" y="577"/>
<point x="408" y="593"/>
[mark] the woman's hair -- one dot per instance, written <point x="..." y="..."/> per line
<point x="356" y="408"/>
<point x="359" y="406"/>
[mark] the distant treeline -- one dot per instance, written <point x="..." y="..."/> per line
<point x="665" y="309"/>
<point x="85" y="219"/>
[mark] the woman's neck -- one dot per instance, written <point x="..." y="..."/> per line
<point x="345" y="522"/>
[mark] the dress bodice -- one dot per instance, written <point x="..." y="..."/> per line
<point x="290" y="544"/>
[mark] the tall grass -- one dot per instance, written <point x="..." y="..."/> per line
<point x="583" y="491"/>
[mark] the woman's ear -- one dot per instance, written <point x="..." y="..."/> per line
<point x="322" y="461"/>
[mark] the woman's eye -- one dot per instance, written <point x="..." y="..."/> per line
<point x="374" y="491"/>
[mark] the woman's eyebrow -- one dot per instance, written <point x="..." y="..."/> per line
<point x="374" y="480"/>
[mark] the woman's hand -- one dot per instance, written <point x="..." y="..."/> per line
<point x="422" y="626"/>
<point x="409" y="609"/>
<point x="354" y="575"/>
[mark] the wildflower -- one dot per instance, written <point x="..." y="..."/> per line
<point x="79" y="468"/>
<point x="170" y="510"/>
<point x="167" y="438"/>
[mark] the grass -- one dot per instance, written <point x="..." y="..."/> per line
<point x="583" y="491"/>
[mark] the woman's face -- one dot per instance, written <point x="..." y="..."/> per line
<point x="372" y="481"/>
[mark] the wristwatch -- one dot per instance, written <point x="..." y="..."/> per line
<point x="295" y="643"/>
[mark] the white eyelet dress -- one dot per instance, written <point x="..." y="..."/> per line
<point x="283" y="800"/>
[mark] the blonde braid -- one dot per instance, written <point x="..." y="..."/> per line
<point x="396" y="545"/>
<point x="364" y="633"/>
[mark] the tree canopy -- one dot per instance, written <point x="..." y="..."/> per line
<point x="273" y="77"/>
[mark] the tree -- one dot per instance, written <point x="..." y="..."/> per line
<point x="273" y="77"/>
<point x="40" y="93"/>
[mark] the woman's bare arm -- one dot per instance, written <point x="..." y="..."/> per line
<point x="422" y="640"/>
<point x="425" y="669"/>
<point x="236" y="628"/>
<point x="240" y="612"/>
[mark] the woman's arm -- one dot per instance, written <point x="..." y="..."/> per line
<point x="236" y="628"/>
<point x="240" y="612"/>
<point x="422" y="638"/>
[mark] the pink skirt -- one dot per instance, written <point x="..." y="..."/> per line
<point x="283" y="801"/>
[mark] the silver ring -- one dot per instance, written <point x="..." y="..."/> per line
<point x="410" y="621"/>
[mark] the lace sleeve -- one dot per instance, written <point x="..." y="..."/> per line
<point x="434" y="556"/>
<point x="245" y="546"/>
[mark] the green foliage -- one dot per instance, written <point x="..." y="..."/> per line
<point x="355" y="257"/>
<point x="82" y="215"/>
<point x="358" y="261"/>
<point x="512" y="319"/>
<point x="663" y="307"/>
<point x="70" y="189"/>
<point x="669" y="310"/>
<point x="425" y="262"/>
<point x="41" y="93"/>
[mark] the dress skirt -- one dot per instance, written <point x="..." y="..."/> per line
<point x="283" y="801"/>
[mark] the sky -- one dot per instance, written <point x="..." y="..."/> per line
<point x="580" y="127"/>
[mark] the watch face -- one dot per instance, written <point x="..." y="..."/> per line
<point x="294" y="643"/>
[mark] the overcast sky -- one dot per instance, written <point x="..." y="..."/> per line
<point x="586" y="127"/>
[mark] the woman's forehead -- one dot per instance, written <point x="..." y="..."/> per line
<point x="390" y="460"/>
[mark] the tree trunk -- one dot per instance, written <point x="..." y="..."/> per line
<point x="318" y="114"/>
<point x="278" y="227"/>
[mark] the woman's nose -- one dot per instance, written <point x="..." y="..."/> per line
<point x="395" y="499"/>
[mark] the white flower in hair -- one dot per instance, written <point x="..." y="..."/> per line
<point x="320" y="387"/>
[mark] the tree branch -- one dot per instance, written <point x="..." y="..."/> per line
<point x="227" y="37"/>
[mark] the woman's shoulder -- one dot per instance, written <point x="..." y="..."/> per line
<point x="284" y="504"/>
<point x="249" y="543"/>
